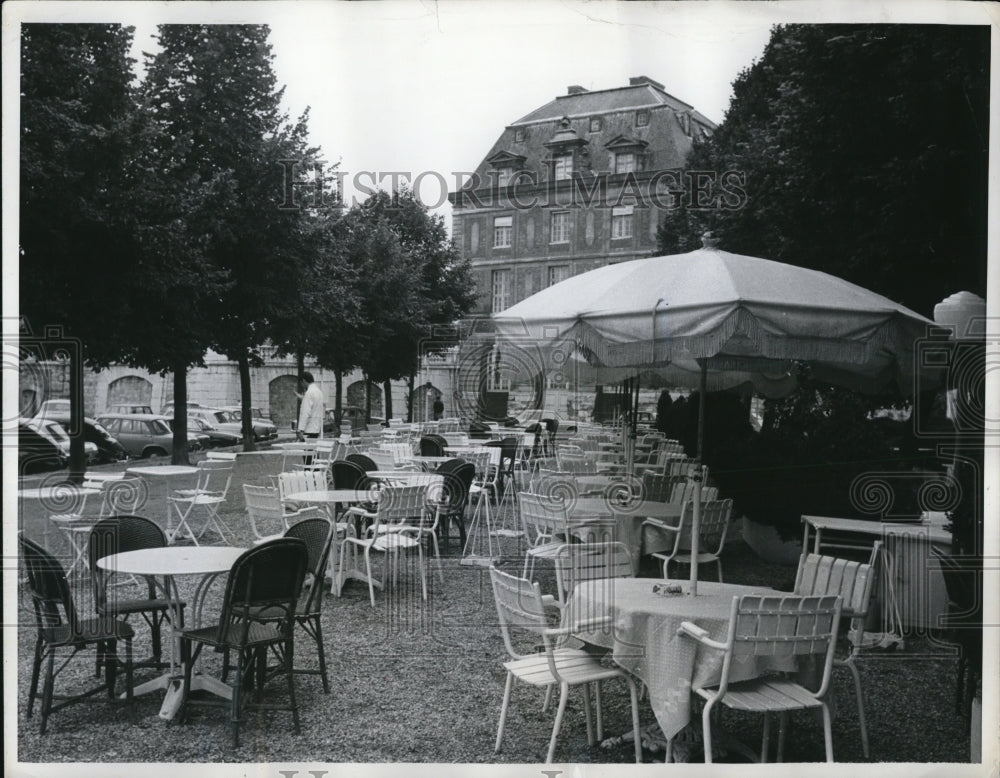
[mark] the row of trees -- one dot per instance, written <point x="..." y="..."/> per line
<point x="152" y="226"/>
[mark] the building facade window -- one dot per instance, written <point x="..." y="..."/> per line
<point x="518" y="136"/>
<point x="621" y="222"/>
<point x="595" y="124"/>
<point x="560" y="227"/>
<point x="558" y="273"/>
<point x="641" y="118"/>
<point x="625" y="162"/>
<point x="562" y="167"/>
<point x="501" y="290"/>
<point x="503" y="226"/>
<point x="504" y="175"/>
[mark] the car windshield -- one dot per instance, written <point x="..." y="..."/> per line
<point x="222" y="417"/>
<point x="158" y="427"/>
<point x="196" y="423"/>
<point x="56" y="431"/>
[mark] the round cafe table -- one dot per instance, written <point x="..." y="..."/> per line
<point x="330" y="499"/>
<point x="643" y="637"/>
<point x="164" y="565"/>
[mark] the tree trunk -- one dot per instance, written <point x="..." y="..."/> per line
<point x="387" y="388"/>
<point x="180" y="452"/>
<point x="247" y="424"/>
<point x="337" y="404"/>
<point x="368" y="400"/>
<point x="410" y="398"/>
<point x="77" y="451"/>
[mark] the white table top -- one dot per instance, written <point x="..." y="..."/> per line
<point x="173" y="560"/>
<point x="60" y="492"/>
<point x="332" y="496"/>
<point x="297" y="445"/>
<point x="163" y="470"/>
<point x="600" y="506"/>
<point x="931" y="527"/>
<point x="102" y="477"/>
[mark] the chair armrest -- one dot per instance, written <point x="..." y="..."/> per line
<point x="660" y="524"/>
<point x="358" y="511"/>
<point x="549" y="601"/>
<point x="587" y="625"/>
<point x="701" y="635"/>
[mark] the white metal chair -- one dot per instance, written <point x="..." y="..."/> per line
<point x="326" y="452"/>
<point x="577" y="562"/>
<point x="546" y="525"/>
<point x="396" y="527"/>
<point x="713" y="527"/>
<point x="854" y="582"/>
<point x="521" y="610"/>
<point x="264" y="510"/>
<point x="118" y="496"/>
<point x="777" y="626"/>
<point x="208" y="496"/>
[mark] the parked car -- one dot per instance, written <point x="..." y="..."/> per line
<point x="197" y="440"/>
<point x="108" y="448"/>
<point x="54" y="409"/>
<point x="129" y="408"/>
<point x="54" y="432"/>
<point x="36" y="454"/>
<point x="144" y="434"/>
<point x="216" y="437"/>
<point x="168" y="408"/>
<point x="263" y="427"/>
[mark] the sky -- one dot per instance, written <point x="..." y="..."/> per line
<point x="426" y="88"/>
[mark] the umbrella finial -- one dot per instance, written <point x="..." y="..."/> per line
<point x="709" y="241"/>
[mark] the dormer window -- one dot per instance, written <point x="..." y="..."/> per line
<point x="562" y="167"/>
<point x="503" y="167"/>
<point x="625" y="162"/>
<point x="641" y="118"/>
<point x="628" y="155"/>
<point x="595" y="124"/>
<point x="519" y="135"/>
<point x="504" y="175"/>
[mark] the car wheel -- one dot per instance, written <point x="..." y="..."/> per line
<point x="153" y="451"/>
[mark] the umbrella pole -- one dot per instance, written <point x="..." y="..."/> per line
<point x="698" y="475"/>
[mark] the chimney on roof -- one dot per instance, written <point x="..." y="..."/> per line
<point x="643" y="80"/>
<point x="575" y="89"/>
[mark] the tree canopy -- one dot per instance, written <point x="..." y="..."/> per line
<point x="864" y="151"/>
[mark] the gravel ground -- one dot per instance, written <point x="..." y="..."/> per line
<point x="423" y="682"/>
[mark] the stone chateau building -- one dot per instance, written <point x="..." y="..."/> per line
<point x="575" y="184"/>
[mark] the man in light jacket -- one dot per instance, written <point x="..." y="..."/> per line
<point x="312" y="410"/>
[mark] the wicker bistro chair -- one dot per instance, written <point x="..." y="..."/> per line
<point x="267" y="579"/>
<point x="521" y="612"/>
<point x="458" y="476"/>
<point x="712" y="530"/>
<point x="115" y="535"/>
<point x="854" y="582"/>
<point x="317" y="535"/>
<point x="396" y="526"/>
<point x="771" y="626"/>
<point x="59" y="628"/>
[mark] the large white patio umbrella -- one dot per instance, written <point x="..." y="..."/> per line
<point x="719" y="316"/>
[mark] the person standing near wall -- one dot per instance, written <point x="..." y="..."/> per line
<point x="312" y="410"/>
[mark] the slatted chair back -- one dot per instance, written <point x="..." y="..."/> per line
<point x="366" y="462"/>
<point x="215" y="476"/>
<point x="384" y="460"/>
<point x="401" y="452"/>
<point x="401" y="506"/>
<point x="782" y="626"/>
<point x="317" y="534"/>
<point x="301" y="481"/>
<point x="520" y="611"/>
<point x="659" y="488"/>
<point x="713" y="526"/>
<point x="684" y="491"/>
<point x="853" y="581"/>
<point x="116" y="535"/>
<point x="264" y="510"/>
<point x="577" y="562"/>
<point x="543" y="517"/>
<point x="123" y="496"/>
